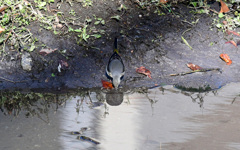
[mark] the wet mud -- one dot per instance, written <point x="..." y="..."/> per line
<point x="145" y="39"/>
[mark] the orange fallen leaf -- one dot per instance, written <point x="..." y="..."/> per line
<point x="232" y="42"/>
<point x="1" y="29"/>
<point x="2" y="8"/>
<point x="233" y="32"/>
<point x="226" y="58"/>
<point x="47" y="51"/>
<point x="107" y="85"/>
<point x="163" y="1"/>
<point x="145" y="71"/>
<point x="224" y="7"/>
<point x="194" y="67"/>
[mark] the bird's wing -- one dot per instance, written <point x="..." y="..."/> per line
<point x="113" y="57"/>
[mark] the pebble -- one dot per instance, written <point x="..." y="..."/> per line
<point x="26" y="62"/>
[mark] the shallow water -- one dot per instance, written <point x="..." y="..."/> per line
<point x="162" y="118"/>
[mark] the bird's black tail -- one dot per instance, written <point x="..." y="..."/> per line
<point x="115" y="45"/>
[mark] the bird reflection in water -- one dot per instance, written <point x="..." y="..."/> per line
<point x="114" y="97"/>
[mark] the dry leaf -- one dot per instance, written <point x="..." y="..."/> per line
<point x="226" y="58"/>
<point x="225" y="22"/>
<point x="224" y="7"/>
<point x="56" y="18"/>
<point x="107" y="85"/>
<point x="48" y="8"/>
<point x="47" y="80"/>
<point x="26" y="2"/>
<point x="2" y="8"/>
<point x="194" y="67"/>
<point x="145" y="71"/>
<point x="163" y="1"/>
<point x="63" y="63"/>
<point x="54" y="26"/>
<point x="59" y="25"/>
<point x="1" y="29"/>
<point x="56" y="23"/>
<point x="233" y="32"/>
<point x="232" y="42"/>
<point x="47" y="51"/>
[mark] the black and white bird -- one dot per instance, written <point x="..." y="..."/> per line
<point x="115" y="67"/>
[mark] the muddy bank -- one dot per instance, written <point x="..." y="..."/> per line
<point x="145" y="39"/>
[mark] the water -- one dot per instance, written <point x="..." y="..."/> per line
<point x="162" y="118"/>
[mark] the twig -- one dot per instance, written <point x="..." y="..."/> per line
<point x="11" y="80"/>
<point x="213" y="10"/>
<point x="18" y="39"/>
<point x="90" y="97"/>
<point x="186" y="42"/>
<point x="8" y="36"/>
<point x="186" y="31"/>
<point x="190" y="72"/>
<point x="3" y="51"/>
<point x="187" y="22"/>
<point x="234" y="100"/>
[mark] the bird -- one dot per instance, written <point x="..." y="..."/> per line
<point x="115" y="67"/>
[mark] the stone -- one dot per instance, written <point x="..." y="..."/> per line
<point x="26" y="62"/>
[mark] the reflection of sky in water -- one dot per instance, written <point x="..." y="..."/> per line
<point x="234" y="145"/>
<point x="175" y="121"/>
<point x="70" y="120"/>
<point x="138" y="124"/>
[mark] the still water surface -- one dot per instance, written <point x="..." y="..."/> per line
<point x="162" y="118"/>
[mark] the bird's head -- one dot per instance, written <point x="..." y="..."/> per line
<point x="116" y="81"/>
